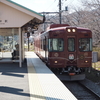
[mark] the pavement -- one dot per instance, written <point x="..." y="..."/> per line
<point x="14" y="82"/>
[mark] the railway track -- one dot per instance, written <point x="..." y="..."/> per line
<point x="92" y="87"/>
<point x="84" y="90"/>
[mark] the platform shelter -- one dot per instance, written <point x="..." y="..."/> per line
<point x="15" y="20"/>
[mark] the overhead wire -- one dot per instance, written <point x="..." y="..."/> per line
<point x="52" y="8"/>
<point x="68" y="3"/>
<point x="51" y="5"/>
<point x="63" y="3"/>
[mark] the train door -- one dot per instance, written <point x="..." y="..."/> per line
<point x="84" y="52"/>
<point x="71" y="50"/>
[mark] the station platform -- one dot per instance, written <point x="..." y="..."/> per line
<point x="32" y="81"/>
<point x="14" y="82"/>
<point x="43" y="84"/>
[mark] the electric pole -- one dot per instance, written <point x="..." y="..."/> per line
<point x="60" y="11"/>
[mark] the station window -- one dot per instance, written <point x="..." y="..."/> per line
<point x="71" y="44"/>
<point x="85" y="44"/>
<point x="56" y="44"/>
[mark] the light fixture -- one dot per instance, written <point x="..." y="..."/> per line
<point x="86" y="61"/>
<point x="73" y="30"/>
<point x="69" y="30"/>
<point x="55" y="61"/>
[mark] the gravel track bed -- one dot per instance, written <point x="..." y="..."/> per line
<point x="80" y="92"/>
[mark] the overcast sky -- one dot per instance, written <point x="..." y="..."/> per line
<point x="47" y="5"/>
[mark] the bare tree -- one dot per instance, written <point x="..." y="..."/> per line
<point x="93" y="6"/>
<point x="87" y="16"/>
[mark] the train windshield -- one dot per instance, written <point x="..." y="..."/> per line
<point x="56" y="44"/>
<point x="71" y="44"/>
<point x="85" y="44"/>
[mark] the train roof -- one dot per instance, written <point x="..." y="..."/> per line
<point x="56" y="26"/>
<point x="64" y="27"/>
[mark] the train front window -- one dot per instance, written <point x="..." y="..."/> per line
<point x="56" y="44"/>
<point x="71" y="44"/>
<point x="85" y="44"/>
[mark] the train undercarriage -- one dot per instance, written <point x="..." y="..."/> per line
<point x="70" y="73"/>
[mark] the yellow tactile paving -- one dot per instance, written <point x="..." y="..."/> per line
<point x="36" y="93"/>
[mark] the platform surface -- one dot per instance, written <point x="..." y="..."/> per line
<point x="14" y="82"/>
<point x="44" y="85"/>
<point x="32" y="81"/>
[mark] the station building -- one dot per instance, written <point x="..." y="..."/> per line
<point x="15" y="20"/>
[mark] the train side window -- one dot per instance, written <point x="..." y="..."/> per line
<point x="55" y="44"/>
<point x="71" y="44"/>
<point x="60" y="44"/>
<point x="44" y="44"/>
<point x="85" y="44"/>
<point x="50" y="44"/>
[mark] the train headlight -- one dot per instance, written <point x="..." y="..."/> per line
<point x="86" y="61"/>
<point x="69" y="30"/>
<point x="73" y="30"/>
<point x="56" y="62"/>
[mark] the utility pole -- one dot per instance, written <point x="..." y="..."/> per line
<point x="60" y="11"/>
<point x="44" y="26"/>
<point x="56" y="12"/>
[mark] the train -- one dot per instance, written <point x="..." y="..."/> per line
<point x="66" y="50"/>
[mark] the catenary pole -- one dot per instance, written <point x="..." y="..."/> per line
<point x="60" y="11"/>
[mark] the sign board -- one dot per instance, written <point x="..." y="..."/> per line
<point x="94" y="57"/>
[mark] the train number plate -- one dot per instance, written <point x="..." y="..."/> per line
<point x="71" y="56"/>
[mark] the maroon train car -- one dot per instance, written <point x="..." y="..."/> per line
<point x="65" y="48"/>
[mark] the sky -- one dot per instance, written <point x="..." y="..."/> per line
<point x="47" y="5"/>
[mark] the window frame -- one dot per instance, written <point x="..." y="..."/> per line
<point x="90" y="45"/>
<point x="68" y="45"/>
<point x="52" y="50"/>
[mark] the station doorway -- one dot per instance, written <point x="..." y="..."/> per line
<point x="9" y="37"/>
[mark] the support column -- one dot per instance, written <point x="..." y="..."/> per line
<point x="20" y="43"/>
<point x="23" y="51"/>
